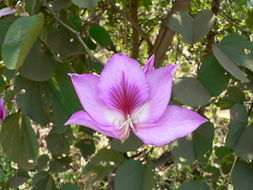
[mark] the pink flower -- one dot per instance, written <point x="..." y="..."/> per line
<point x="128" y="98"/>
<point x="3" y="112"/>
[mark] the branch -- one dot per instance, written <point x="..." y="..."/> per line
<point x="164" y="159"/>
<point x="134" y="24"/>
<point x="77" y="34"/>
<point x="165" y="35"/>
<point x="134" y="16"/>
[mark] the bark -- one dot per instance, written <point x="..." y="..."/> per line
<point x="165" y="35"/>
<point x="134" y="16"/>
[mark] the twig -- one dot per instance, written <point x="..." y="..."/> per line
<point x="135" y="25"/>
<point x="135" y="39"/>
<point x="250" y="109"/>
<point x="164" y="159"/>
<point x="77" y="34"/>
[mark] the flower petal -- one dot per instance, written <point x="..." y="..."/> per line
<point x="3" y="112"/>
<point x="123" y="85"/>
<point x="87" y="91"/>
<point x="175" y="123"/>
<point x="149" y="66"/>
<point x="160" y="81"/>
<point x="83" y="118"/>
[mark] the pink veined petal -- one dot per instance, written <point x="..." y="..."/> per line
<point x="176" y="122"/>
<point x="86" y="89"/>
<point x="82" y="118"/>
<point x="160" y="81"/>
<point x="149" y="66"/>
<point x="123" y="85"/>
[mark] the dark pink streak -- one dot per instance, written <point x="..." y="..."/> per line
<point x="125" y="97"/>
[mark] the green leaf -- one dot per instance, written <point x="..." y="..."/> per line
<point x="131" y="144"/>
<point x="238" y="123"/>
<point x="17" y="180"/>
<point x="192" y="30"/>
<point x="222" y="151"/>
<point x="100" y="35"/>
<point x="58" y="5"/>
<point x="43" y="181"/>
<point x="148" y="178"/>
<point x="32" y="102"/>
<point x="228" y="64"/>
<point x="57" y="144"/>
<point x="242" y="176"/>
<point x="244" y="145"/>
<point x="249" y="20"/>
<point x="233" y="96"/>
<point x="56" y="94"/>
<point x="4" y="26"/>
<point x="42" y="162"/>
<point x="19" y="39"/>
<point x="190" y="91"/>
<point x="107" y="155"/>
<point x="75" y="22"/>
<point x="87" y="147"/>
<point x="38" y="66"/>
<point x="18" y="140"/>
<point x="238" y="49"/>
<point x="196" y="185"/>
<point x="147" y="4"/>
<point x="196" y="146"/>
<point x="30" y="6"/>
<point x="85" y="3"/>
<point x="213" y="76"/>
<point x="59" y="165"/>
<point x="93" y="66"/>
<point x="63" y="43"/>
<point x="133" y="175"/>
<point x="69" y="186"/>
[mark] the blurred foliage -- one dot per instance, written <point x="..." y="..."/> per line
<point x="43" y="40"/>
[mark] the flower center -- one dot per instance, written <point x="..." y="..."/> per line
<point x="125" y="126"/>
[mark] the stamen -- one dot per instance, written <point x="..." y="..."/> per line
<point x="125" y="126"/>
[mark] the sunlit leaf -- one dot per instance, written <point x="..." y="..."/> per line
<point x="19" y="39"/>
<point x="228" y="64"/>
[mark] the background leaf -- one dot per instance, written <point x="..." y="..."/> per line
<point x="85" y="3"/>
<point x="19" y="39"/>
<point x="192" y="29"/>
<point x="138" y="177"/>
<point x="196" y="146"/>
<point x="209" y="73"/>
<point x="190" y="91"/>
<point x="228" y="64"/>
<point x="18" y="140"/>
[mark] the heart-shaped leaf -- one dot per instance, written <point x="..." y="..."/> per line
<point x="192" y="29"/>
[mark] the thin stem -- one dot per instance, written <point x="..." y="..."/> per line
<point x="78" y="35"/>
<point x="232" y="168"/>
